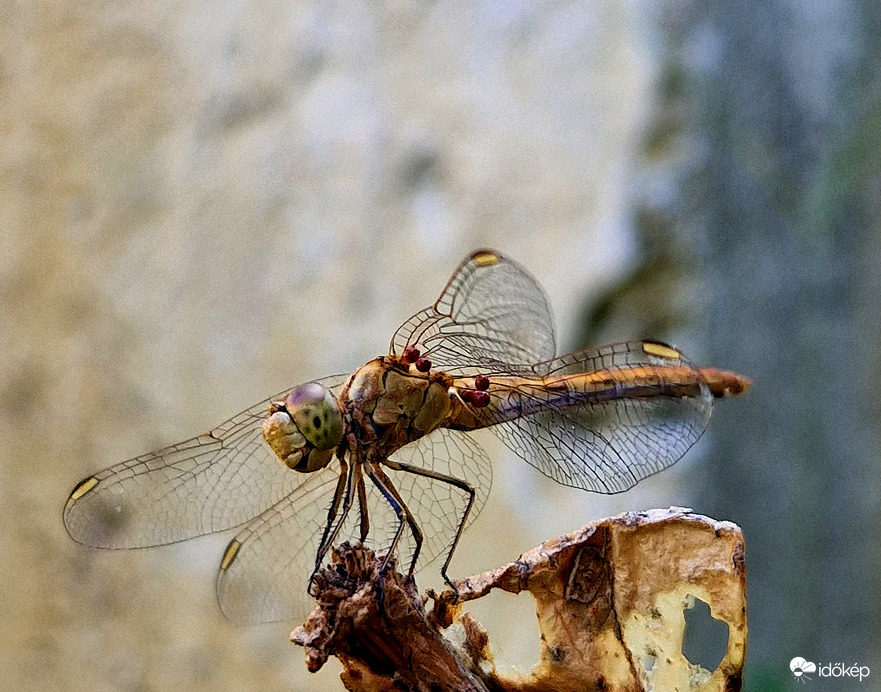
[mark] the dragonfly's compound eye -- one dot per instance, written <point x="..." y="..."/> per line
<point x="315" y="412"/>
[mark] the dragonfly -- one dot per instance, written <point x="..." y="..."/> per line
<point x="385" y="456"/>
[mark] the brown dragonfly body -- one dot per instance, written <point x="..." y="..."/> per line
<point x="408" y="477"/>
<point x="389" y="403"/>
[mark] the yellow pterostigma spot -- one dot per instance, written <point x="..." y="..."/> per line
<point x="83" y="488"/>
<point x="652" y="348"/>
<point x="485" y="258"/>
<point x="230" y="554"/>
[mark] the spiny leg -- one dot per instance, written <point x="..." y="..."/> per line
<point x="362" y="504"/>
<point x="387" y="488"/>
<point x="342" y="493"/>
<point x="332" y="510"/>
<point x="348" y="499"/>
<point x="367" y="439"/>
<point x="456" y="482"/>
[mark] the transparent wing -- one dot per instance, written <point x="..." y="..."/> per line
<point x="268" y="576"/>
<point x="275" y="553"/>
<point x="604" y="444"/>
<point x="492" y="317"/>
<point x="438" y="506"/>
<point x="492" y="314"/>
<point x="206" y="484"/>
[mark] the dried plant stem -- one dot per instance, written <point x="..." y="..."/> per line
<point x="609" y="601"/>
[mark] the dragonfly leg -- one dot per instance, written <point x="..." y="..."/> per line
<point x="456" y="482"/>
<point x="362" y="505"/>
<point x="335" y="518"/>
<point x="387" y="488"/>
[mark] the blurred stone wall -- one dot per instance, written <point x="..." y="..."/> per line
<point x="202" y="203"/>
<point x="771" y="116"/>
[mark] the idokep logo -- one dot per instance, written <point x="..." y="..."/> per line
<point x="800" y="669"/>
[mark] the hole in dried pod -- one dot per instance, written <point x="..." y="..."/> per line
<point x="706" y="638"/>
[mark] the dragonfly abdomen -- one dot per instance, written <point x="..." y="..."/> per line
<point x="724" y="383"/>
<point x="648" y="381"/>
<point x="528" y="397"/>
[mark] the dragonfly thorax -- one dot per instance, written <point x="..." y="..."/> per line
<point x="399" y="396"/>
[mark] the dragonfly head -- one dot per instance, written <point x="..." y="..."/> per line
<point x="305" y="429"/>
